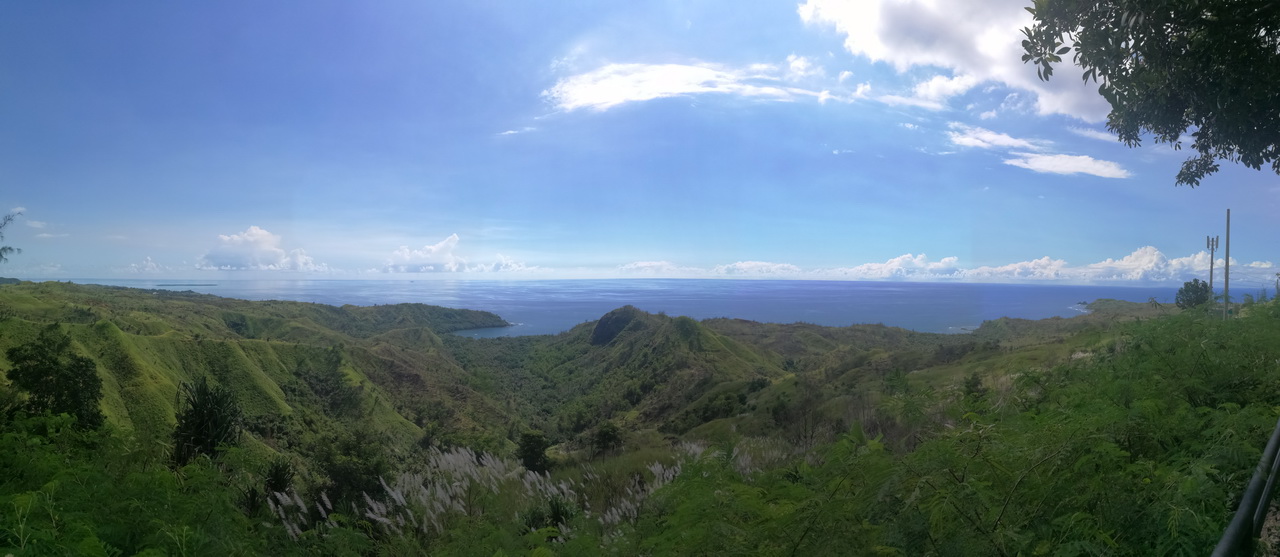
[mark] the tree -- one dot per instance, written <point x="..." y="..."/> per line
<point x="1192" y="294"/>
<point x="1167" y="66"/>
<point x="208" y="419"/>
<point x="532" y="451"/>
<point x="607" y="438"/>
<point x="57" y="380"/>
<point x="6" y="250"/>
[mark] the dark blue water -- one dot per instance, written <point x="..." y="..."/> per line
<point x="546" y="307"/>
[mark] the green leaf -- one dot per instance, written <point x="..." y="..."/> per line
<point x="1063" y="50"/>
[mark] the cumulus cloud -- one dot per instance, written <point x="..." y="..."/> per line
<point x="256" y="249"/>
<point x="756" y="268"/>
<point x="1044" y="268"/>
<point x="906" y="266"/>
<point x="975" y="40"/>
<point x="438" y="257"/>
<point x="504" y="264"/>
<point x="1067" y="164"/>
<point x="616" y="84"/>
<point x="443" y="257"/>
<point x="941" y="87"/>
<point x="1144" y="265"/>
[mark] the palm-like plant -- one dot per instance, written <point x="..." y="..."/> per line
<point x="208" y="420"/>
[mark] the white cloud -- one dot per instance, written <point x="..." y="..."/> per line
<point x="48" y="235"/>
<point x="987" y="115"/>
<point x="799" y="67"/>
<point x="438" y="257"/>
<point x="756" y="268"/>
<point x="909" y="126"/>
<point x="1037" y="269"/>
<point x="525" y="129"/>
<point x="504" y="264"/>
<point x="906" y="266"/>
<point x="1146" y="264"/>
<point x="899" y="100"/>
<point x="443" y="257"/>
<point x="844" y="75"/>
<point x="659" y="268"/>
<point x="1093" y="134"/>
<point x="980" y="39"/>
<point x="940" y="87"/>
<point x="18" y="210"/>
<point x="256" y="249"/>
<point x="1067" y="164"/>
<point x="37" y="224"/>
<point x="147" y="266"/>
<point x="969" y="136"/>
<point x="615" y="84"/>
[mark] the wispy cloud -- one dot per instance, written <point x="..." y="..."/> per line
<point x="147" y="266"/>
<point x="1067" y="164"/>
<point x="37" y="223"/>
<point x="899" y="100"/>
<point x="660" y="268"/>
<point x="970" y="136"/>
<point x="525" y="129"/>
<point x="616" y="84"/>
<point x="51" y="235"/>
<point x="1093" y="134"/>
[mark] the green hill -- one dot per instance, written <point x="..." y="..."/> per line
<point x="386" y="434"/>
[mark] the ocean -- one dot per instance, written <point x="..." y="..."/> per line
<point x="552" y="306"/>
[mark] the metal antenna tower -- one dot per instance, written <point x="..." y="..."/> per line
<point x="1211" y="244"/>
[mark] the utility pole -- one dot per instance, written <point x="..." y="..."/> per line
<point x="1211" y="244"/>
<point x="1226" y="273"/>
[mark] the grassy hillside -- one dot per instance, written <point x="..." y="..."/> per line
<point x="666" y="435"/>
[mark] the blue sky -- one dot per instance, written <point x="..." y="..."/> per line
<point x="869" y="140"/>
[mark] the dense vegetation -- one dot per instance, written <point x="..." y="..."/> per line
<point x="237" y="427"/>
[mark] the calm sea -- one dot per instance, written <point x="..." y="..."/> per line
<point x="547" y="307"/>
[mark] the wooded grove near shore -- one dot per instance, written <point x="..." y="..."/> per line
<point x="246" y="428"/>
